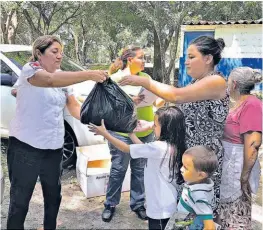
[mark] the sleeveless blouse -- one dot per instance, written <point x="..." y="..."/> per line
<point x="205" y="122"/>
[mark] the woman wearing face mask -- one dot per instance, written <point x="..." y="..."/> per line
<point x="241" y="141"/>
<point x="204" y="102"/>
<point x="37" y="130"/>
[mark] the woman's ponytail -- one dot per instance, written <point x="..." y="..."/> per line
<point x="122" y="61"/>
<point x="115" y="66"/>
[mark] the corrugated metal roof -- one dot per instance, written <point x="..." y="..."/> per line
<point x="259" y="21"/>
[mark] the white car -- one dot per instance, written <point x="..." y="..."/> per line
<point x="13" y="57"/>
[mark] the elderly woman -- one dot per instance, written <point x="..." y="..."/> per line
<point x="241" y="141"/>
<point x="37" y="130"/>
<point x="204" y="102"/>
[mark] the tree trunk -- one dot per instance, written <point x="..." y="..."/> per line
<point x="157" y="64"/>
<point x="6" y="24"/>
<point x="173" y="52"/>
<point x="5" y="38"/>
<point x="13" y="28"/>
<point x="34" y="31"/>
<point x="161" y="40"/>
<point x="83" y="51"/>
<point x="76" y="44"/>
<point x="11" y="35"/>
<point x="111" y="53"/>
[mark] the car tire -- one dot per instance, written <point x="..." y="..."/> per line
<point x="4" y="145"/>
<point x="69" y="148"/>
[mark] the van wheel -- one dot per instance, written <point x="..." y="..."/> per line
<point x="69" y="148"/>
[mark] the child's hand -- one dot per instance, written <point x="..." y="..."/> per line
<point x="143" y="126"/>
<point x="131" y="134"/>
<point x="98" y="130"/>
<point x="138" y="99"/>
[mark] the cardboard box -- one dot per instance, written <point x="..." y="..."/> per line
<point x="93" y="170"/>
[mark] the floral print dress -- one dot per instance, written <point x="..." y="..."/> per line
<point x="205" y="122"/>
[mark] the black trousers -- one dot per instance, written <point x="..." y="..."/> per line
<point x="157" y="224"/>
<point x="25" y="164"/>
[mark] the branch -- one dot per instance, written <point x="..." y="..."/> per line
<point x="9" y="17"/>
<point x="181" y="6"/>
<point x="3" y="12"/>
<point x="51" y="15"/>
<point x="65" y="21"/>
<point x="83" y="29"/>
<point x="40" y="10"/>
<point x="168" y="39"/>
<point x="144" y="12"/>
<point x="172" y="62"/>
<point x="177" y="22"/>
<point x="3" y="16"/>
<point x="53" y="12"/>
<point x="39" y="18"/>
<point x="30" y="22"/>
<point x="151" y="3"/>
<point x="39" y="22"/>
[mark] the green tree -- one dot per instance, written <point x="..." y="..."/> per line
<point x="230" y="10"/>
<point x="165" y="19"/>
<point x="10" y="20"/>
<point x="49" y="17"/>
<point x="103" y="30"/>
<point x="97" y="30"/>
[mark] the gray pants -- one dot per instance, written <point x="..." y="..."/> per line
<point x="120" y="162"/>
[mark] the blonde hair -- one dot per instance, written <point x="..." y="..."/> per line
<point x="42" y="43"/>
<point x="121" y="62"/>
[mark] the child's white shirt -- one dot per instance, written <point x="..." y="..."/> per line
<point x="161" y="196"/>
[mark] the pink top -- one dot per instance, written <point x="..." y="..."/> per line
<point x="247" y="117"/>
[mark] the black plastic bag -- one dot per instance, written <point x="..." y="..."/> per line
<point x="109" y="102"/>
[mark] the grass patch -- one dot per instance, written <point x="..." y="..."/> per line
<point x="99" y="66"/>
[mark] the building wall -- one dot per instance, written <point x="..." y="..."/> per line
<point x="243" y="45"/>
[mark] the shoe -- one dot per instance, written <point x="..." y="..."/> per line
<point x="107" y="213"/>
<point x="141" y="213"/>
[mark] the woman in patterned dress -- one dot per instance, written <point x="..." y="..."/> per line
<point x="204" y="101"/>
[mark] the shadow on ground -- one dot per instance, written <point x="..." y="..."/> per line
<point x="78" y="212"/>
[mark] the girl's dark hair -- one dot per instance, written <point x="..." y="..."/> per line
<point x="172" y="122"/>
<point x="121" y="62"/>
<point x="208" y="45"/>
<point x="42" y="43"/>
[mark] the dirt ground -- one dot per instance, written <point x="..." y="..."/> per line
<point x="78" y="212"/>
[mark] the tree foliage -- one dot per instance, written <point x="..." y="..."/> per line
<point x="96" y="31"/>
<point x="10" y="18"/>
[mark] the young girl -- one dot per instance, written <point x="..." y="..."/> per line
<point x="163" y="165"/>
